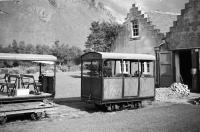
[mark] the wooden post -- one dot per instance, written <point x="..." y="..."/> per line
<point x="130" y="67"/>
<point x="122" y="71"/>
<point x="138" y="78"/>
<point x="54" y="83"/>
<point x="40" y="72"/>
<point x="115" y="68"/>
<point x="195" y="70"/>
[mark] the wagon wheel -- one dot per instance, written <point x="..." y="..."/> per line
<point x="39" y="115"/>
<point x="117" y="107"/>
<point x="33" y="116"/>
<point x="132" y="105"/>
<point x="45" y="115"/>
<point x="112" y="107"/>
<point x="109" y="108"/>
<point x="3" y="120"/>
<point x="140" y="104"/>
<point x="121" y="107"/>
<point x="36" y="116"/>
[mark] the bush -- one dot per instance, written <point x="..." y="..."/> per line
<point x="66" y="68"/>
<point x="4" y="70"/>
<point x="31" y="70"/>
<point x="14" y="71"/>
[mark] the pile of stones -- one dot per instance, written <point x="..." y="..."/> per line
<point x="180" y="89"/>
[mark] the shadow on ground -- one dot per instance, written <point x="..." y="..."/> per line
<point x="195" y="101"/>
<point x="75" y="102"/>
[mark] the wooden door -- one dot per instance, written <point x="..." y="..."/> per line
<point x="165" y="69"/>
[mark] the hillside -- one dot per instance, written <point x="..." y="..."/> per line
<point x="45" y="21"/>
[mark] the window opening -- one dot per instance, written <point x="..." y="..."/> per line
<point x="148" y="67"/>
<point x="135" y="28"/>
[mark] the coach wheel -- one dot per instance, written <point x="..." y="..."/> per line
<point x="33" y="116"/>
<point x="140" y="104"/>
<point x="112" y="107"/>
<point x="132" y="106"/>
<point x="117" y="107"/>
<point x="108" y="107"/>
<point x="120" y="106"/>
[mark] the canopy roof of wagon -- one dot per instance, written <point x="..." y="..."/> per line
<point x="30" y="57"/>
<point x="117" y="56"/>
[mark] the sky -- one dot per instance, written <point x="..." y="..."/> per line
<point x="121" y="7"/>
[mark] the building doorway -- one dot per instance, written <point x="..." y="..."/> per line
<point x="185" y="61"/>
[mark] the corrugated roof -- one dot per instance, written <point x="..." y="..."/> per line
<point x="125" y="56"/>
<point x="31" y="57"/>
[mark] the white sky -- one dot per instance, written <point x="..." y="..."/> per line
<point x="121" y="7"/>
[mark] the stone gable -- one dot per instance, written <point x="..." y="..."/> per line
<point x="185" y="32"/>
<point x="148" y="37"/>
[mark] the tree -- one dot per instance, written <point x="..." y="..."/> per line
<point x="1" y="48"/>
<point x="102" y="36"/>
<point x="15" y="46"/>
<point x="30" y="49"/>
<point x="22" y="47"/>
<point x="42" y="49"/>
<point x="74" y="54"/>
<point x="60" y="51"/>
<point x="63" y="52"/>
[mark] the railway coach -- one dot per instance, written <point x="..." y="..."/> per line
<point x="116" y="81"/>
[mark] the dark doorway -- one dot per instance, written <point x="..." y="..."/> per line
<point x="185" y="67"/>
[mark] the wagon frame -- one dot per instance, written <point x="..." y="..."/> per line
<point x="27" y="102"/>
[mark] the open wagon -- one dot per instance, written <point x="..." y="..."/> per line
<point x="22" y="93"/>
<point x="117" y="80"/>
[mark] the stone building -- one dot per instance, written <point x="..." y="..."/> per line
<point x="179" y="56"/>
<point x="139" y="34"/>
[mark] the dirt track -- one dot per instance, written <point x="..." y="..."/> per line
<point x="78" y="116"/>
<point x="81" y="117"/>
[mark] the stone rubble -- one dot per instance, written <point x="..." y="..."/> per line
<point x="180" y="88"/>
<point x="176" y="91"/>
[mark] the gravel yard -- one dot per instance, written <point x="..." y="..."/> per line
<point x="76" y="117"/>
<point x="169" y="112"/>
<point x="68" y="85"/>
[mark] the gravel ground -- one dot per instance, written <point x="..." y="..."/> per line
<point x="170" y="112"/>
<point x="76" y="117"/>
<point x="167" y="95"/>
<point x="68" y="85"/>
